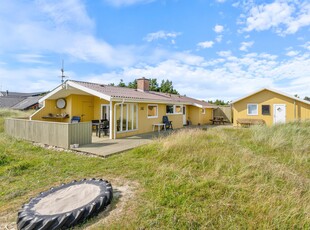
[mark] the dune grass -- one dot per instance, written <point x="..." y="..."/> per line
<point x="192" y="179"/>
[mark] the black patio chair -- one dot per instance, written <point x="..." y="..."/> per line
<point x="168" y="124"/>
<point x="104" y="127"/>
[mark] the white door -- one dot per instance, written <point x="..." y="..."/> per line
<point x="105" y="112"/>
<point x="184" y="116"/>
<point x="279" y="113"/>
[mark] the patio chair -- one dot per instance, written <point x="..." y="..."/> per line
<point x="167" y="123"/>
<point x="104" y="127"/>
<point x="75" y="119"/>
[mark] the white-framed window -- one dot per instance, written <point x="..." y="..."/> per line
<point x="152" y="111"/>
<point x="178" y="109"/>
<point x="252" y="109"/>
<point x="203" y="111"/>
<point x="174" y="109"/>
<point x="169" y="109"/>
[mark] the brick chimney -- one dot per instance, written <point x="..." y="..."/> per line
<point x="143" y="84"/>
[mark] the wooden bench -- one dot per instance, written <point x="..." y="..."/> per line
<point x="248" y="122"/>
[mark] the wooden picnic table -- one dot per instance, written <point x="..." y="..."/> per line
<point x="218" y="119"/>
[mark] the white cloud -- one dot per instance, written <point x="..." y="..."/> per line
<point x="224" y="53"/>
<point x="292" y="53"/>
<point x="31" y="58"/>
<point x="160" y="35"/>
<point x="301" y="20"/>
<point x="221" y="1"/>
<point x="245" y="45"/>
<point x="231" y="76"/>
<point x="219" y="38"/>
<point x="89" y="49"/>
<point x="119" y="3"/>
<point x="63" y="29"/>
<point x="266" y="16"/>
<point x="42" y="79"/>
<point x="306" y="46"/>
<point x="70" y="12"/>
<point x="284" y="16"/>
<point x="206" y="44"/>
<point x="218" y="28"/>
<point x="187" y="58"/>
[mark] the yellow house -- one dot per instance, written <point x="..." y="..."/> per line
<point x="129" y="111"/>
<point x="271" y="106"/>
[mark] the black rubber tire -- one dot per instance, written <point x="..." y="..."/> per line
<point x="28" y="219"/>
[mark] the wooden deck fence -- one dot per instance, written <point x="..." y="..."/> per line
<point x="50" y="133"/>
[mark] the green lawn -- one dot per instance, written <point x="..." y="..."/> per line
<point x="193" y="179"/>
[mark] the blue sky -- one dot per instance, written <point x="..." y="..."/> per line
<point x="215" y="49"/>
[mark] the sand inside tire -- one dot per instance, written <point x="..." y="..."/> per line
<point x="67" y="199"/>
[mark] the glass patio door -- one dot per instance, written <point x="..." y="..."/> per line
<point x="105" y="112"/>
<point x="126" y="115"/>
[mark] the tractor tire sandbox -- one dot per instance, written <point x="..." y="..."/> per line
<point x="66" y="205"/>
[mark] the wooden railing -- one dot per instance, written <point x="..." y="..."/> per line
<point x="50" y="133"/>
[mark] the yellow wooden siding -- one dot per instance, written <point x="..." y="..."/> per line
<point x="193" y="114"/>
<point x="49" y="107"/>
<point x="205" y="118"/>
<point x="300" y="110"/>
<point x="97" y="107"/>
<point x="82" y="106"/>
<point x="196" y="116"/>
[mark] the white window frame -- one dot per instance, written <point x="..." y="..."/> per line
<point x="121" y="117"/>
<point x="203" y="111"/>
<point x="108" y="110"/>
<point x="174" y="109"/>
<point x="155" y="105"/>
<point x="248" y="109"/>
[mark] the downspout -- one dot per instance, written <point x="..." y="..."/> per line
<point x="110" y="126"/>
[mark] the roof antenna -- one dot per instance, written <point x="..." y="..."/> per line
<point x="62" y="73"/>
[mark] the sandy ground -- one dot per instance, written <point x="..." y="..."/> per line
<point x="7" y="221"/>
<point x="123" y="194"/>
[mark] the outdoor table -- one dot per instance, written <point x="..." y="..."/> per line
<point x="159" y="126"/>
<point x="97" y="128"/>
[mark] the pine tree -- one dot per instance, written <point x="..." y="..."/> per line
<point x="132" y="85"/>
<point x="121" y="83"/>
